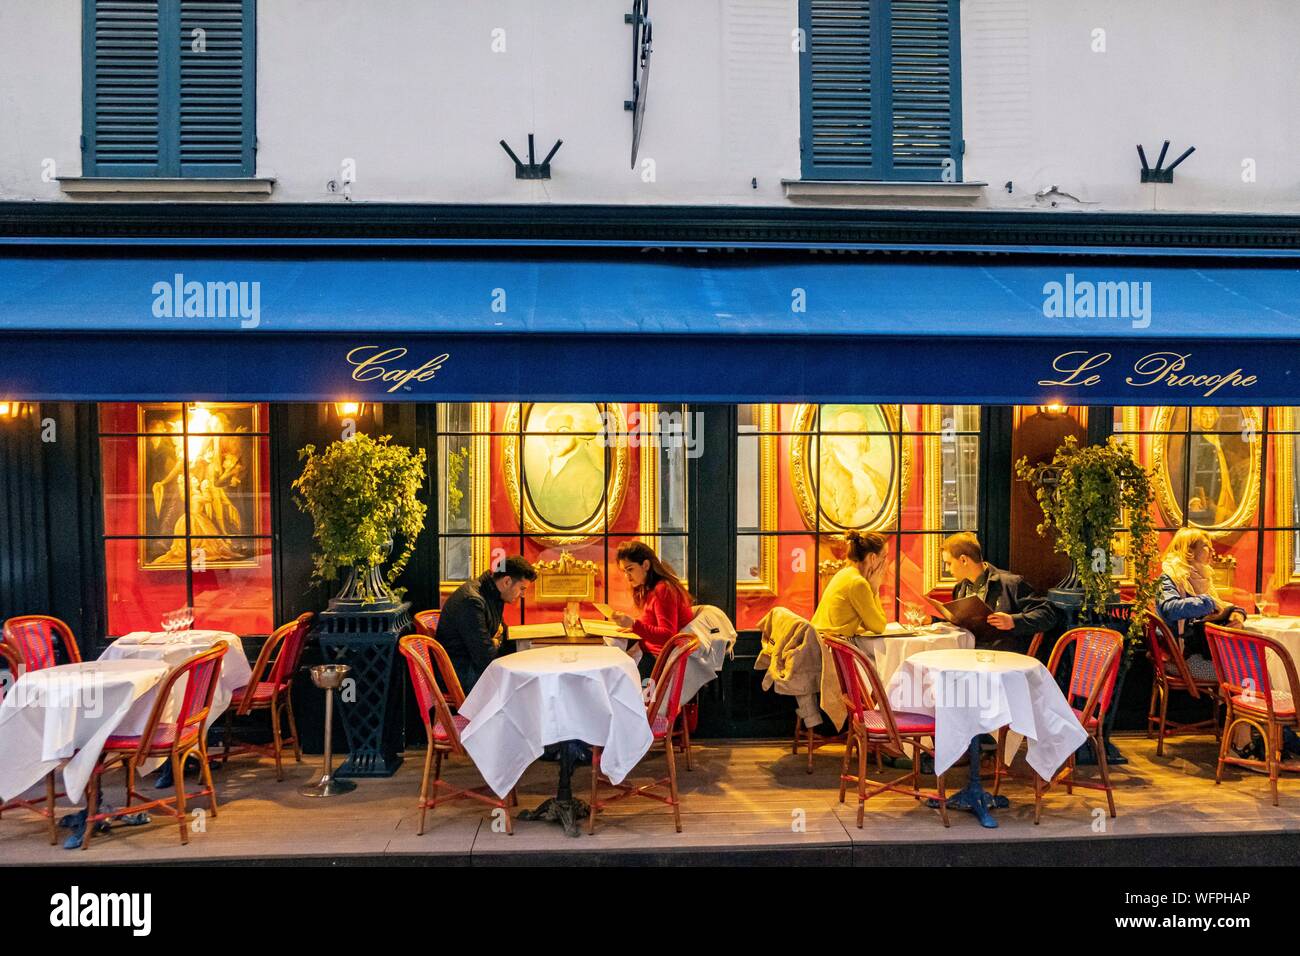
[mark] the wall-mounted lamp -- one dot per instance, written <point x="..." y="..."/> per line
<point x="12" y="410"/>
<point x="1054" y="410"/>
<point x="349" y="409"/>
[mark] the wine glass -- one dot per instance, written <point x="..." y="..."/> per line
<point x="186" y="619"/>
<point x="169" y="622"/>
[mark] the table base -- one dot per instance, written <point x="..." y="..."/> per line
<point x="567" y="813"/>
<point x="973" y="797"/>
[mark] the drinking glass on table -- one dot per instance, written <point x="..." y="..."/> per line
<point x="1264" y="606"/>
<point x="913" y="616"/>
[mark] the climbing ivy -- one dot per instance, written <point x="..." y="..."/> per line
<point x="1091" y="496"/>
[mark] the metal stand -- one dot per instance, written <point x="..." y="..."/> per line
<point x="973" y="796"/>
<point x="563" y="808"/>
<point x="328" y="677"/>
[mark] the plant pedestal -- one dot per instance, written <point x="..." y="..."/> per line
<point x="366" y="641"/>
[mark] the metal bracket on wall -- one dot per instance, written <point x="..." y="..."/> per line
<point x="532" y="169"/>
<point x="1161" y="173"/>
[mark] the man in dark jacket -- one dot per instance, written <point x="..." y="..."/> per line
<point x="471" y="627"/>
<point x="1018" y="612"/>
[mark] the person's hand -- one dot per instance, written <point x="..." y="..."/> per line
<point x="623" y="620"/>
<point x="1236" y="618"/>
<point x="1001" y="620"/>
<point x="876" y="576"/>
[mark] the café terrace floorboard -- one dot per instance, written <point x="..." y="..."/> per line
<point x="740" y="806"/>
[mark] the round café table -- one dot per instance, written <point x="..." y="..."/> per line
<point x="974" y="692"/>
<point x="174" y="649"/>
<point x="552" y="695"/>
<point x="66" y="713"/>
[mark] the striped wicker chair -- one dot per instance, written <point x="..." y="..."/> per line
<point x="1241" y="661"/>
<point x="173" y="739"/>
<point x="1172" y="674"/>
<point x="873" y="723"/>
<point x="270" y="688"/>
<point x="1097" y="655"/>
<point x="36" y="638"/>
<point x="662" y="711"/>
<point x="442" y="729"/>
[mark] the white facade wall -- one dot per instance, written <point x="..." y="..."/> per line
<point x="413" y="93"/>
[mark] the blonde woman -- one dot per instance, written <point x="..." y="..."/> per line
<point x="1188" y="597"/>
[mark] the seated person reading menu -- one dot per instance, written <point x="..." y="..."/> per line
<point x="1018" y="613"/>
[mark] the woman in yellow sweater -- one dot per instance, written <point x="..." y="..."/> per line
<point x="851" y="602"/>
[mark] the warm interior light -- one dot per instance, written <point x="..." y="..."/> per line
<point x="1053" y="410"/>
<point x="12" y="409"/>
<point x="349" y="409"/>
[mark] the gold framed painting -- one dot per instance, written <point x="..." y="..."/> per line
<point x="566" y="467"/>
<point x="859" y="462"/>
<point x="199" y="473"/>
<point x="1218" y="474"/>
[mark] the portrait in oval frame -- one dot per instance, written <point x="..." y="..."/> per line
<point x="1223" y="488"/>
<point x="571" y="470"/>
<point x="854" y="453"/>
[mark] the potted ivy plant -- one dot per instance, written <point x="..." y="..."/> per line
<point x="1096" y="502"/>
<point x="361" y="494"/>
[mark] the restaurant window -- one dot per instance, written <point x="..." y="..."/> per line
<point x="186" y="509"/>
<point x="545" y="478"/>
<point x="880" y="84"/>
<point x="1230" y="470"/>
<point x="168" y="88"/>
<point x="808" y="473"/>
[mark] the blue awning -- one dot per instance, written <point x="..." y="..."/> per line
<point x="705" y="328"/>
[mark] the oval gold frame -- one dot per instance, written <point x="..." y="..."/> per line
<point x="615" y="480"/>
<point x="1168" y="499"/>
<point x="801" y="480"/>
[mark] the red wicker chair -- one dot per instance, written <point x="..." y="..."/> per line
<point x="1241" y="661"/>
<point x="1172" y="673"/>
<point x="33" y="637"/>
<point x="270" y="688"/>
<point x="663" y="712"/>
<point x="174" y="740"/>
<point x="442" y="729"/>
<point x="426" y="623"/>
<point x="873" y="723"/>
<point x="28" y="644"/>
<point x="1098" y="651"/>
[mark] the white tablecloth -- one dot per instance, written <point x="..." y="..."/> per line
<point x="141" y="645"/>
<point x="968" y="697"/>
<point x="48" y="715"/>
<point x="1284" y="630"/>
<point x="887" y="653"/>
<point x="527" y="700"/>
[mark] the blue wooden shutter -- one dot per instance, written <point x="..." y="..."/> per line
<point x="122" y="88"/>
<point x="925" y="117"/>
<point x="163" y="101"/>
<point x="880" y="89"/>
<point x="839" y="116"/>
<point x="216" y="89"/>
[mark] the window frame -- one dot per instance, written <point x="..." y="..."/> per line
<point x="882" y="167"/>
<point x="169" y="164"/>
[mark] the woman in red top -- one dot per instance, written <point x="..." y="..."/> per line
<point x="660" y="596"/>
